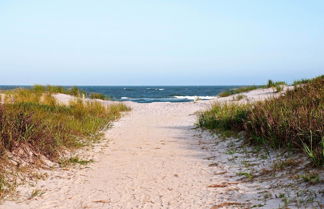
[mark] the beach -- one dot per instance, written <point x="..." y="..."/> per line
<point x="154" y="157"/>
<point x="161" y="104"/>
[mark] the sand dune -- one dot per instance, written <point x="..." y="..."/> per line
<point x="151" y="158"/>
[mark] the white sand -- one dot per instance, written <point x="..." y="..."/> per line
<point x="153" y="158"/>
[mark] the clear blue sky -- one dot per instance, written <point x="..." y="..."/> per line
<point x="201" y="42"/>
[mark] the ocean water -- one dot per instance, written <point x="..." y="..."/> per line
<point x="148" y="94"/>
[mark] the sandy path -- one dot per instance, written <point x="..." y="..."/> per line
<point x="152" y="161"/>
<point x="152" y="158"/>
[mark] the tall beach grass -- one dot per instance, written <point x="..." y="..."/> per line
<point x="294" y="120"/>
<point x="32" y="121"/>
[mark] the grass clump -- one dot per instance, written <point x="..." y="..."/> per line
<point x="99" y="96"/>
<point x="294" y="120"/>
<point x="3" y="185"/>
<point x="224" y="117"/>
<point x="312" y="178"/>
<point x="36" y="193"/>
<point x="74" y="91"/>
<point x="239" y="97"/>
<point x="283" y="164"/>
<point x="22" y="95"/>
<point x="246" y="175"/>
<point x="299" y="82"/>
<point x="273" y="84"/>
<point x="238" y="90"/>
<point x="73" y="161"/>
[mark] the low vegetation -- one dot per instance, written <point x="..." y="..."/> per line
<point x="99" y="96"/>
<point x="31" y="121"/>
<point x="271" y="84"/>
<point x="238" y="90"/>
<point x="224" y="117"/>
<point x="311" y="178"/>
<point x="73" y="161"/>
<point x="294" y="120"/>
<point x="37" y="90"/>
<point x="305" y="81"/>
<point x="74" y="91"/>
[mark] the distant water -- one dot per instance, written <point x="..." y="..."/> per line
<point x="148" y="94"/>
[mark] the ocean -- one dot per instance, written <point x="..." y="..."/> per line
<point x="148" y="94"/>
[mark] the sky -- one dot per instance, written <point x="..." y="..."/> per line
<point x="160" y="42"/>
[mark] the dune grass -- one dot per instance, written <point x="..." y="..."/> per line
<point x="224" y="118"/>
<point x="271" y="84"/>
<point x="32" y="120"/>
<point x="304" y="81"/>
<point x="74" y="91"/>
<point x="299" y="82"/>
<point x="38" y="90"/>
<point x="294" y="120"/>
<point x="47" y="127"/>
<point x="238" y="90"/>
<point x="98" y="96"/>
